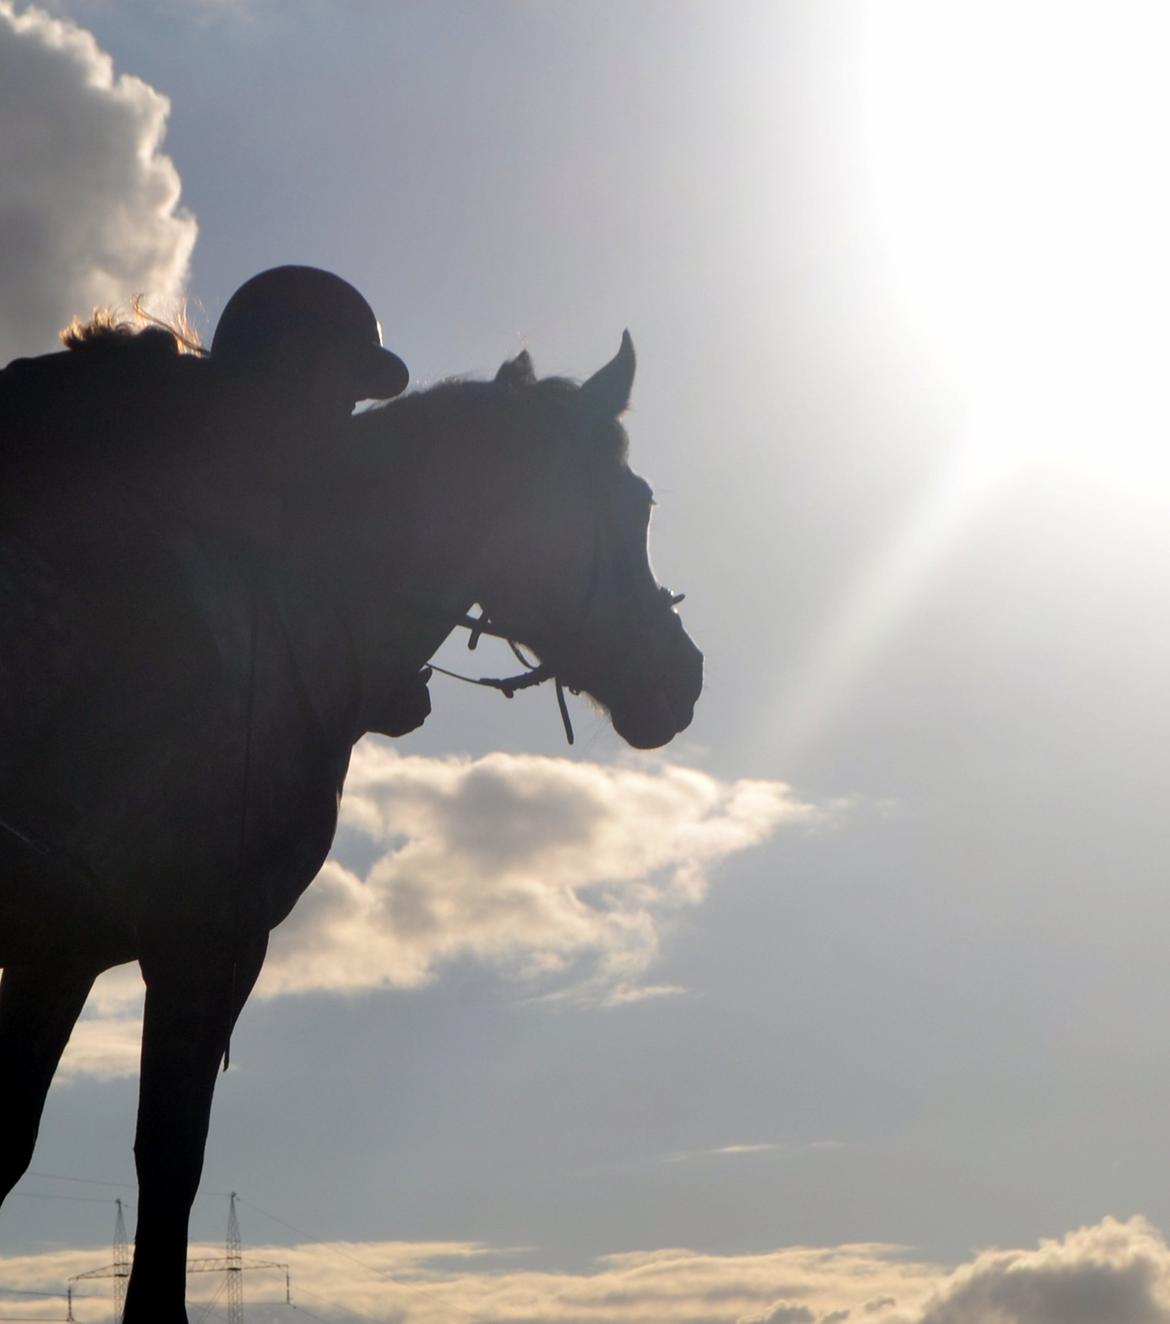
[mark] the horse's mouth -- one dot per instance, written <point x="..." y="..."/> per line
<point x="652" y="724"/>
<point x="655" y="718"/>
<point x="649" y="692"/>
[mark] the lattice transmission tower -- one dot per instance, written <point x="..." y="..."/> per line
<point x="232" y="1263"/>
<point x="119" y="1271"/>
<point x="234" y="1266"/>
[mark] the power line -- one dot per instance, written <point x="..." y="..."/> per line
<point x="32" y="1319"/>
<point x="74" y="1199"/>
<point x="333" y="1305"/>
<point x="301" y="1310"/>
<point x="215" y="1297"/>
<point x="80" y="1181"/>
<point x="369" y="1268"/>
<point x="120" y="1270"/>
<point x="6" y="1292"/>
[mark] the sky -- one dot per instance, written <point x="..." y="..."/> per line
<point x="872" y="1025"/>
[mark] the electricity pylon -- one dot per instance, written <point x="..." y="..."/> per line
<point x="232" y="1263"/>
<point x="119" y="1271"/>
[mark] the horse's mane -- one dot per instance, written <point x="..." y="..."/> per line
<point x="541" y="406"/>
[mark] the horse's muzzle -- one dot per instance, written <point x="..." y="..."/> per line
<point x="661" y="710"/>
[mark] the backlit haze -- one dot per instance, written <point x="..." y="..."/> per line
<point x="879" y="981"/>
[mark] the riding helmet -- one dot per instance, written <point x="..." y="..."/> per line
<point x="316" y="307"/>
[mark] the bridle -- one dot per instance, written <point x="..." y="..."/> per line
<point x="536" y="673"/>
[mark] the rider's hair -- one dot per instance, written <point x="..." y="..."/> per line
<point x="106" y="326"/>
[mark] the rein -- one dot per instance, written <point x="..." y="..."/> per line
<point x="536" y="673"/>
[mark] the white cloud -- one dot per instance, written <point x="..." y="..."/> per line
<point x="89" y="210"/>
<point x="102" y="1048"/>
<point x="1112" y="1273"/>
<point x="776" y="1149"/>
<point x="106" y="1041"/>
<point x="783" y="1312"/>
<point x="558" y="873"/>
<point x="434" y="1283"/>
<point x="551" y="870"/>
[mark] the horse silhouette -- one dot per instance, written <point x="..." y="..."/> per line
<point x="184" y="672"/>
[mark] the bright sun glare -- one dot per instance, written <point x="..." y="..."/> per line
<point x="1018" y="169"/>
<point x="1018" y="161"/>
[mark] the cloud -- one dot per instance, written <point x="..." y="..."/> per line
<point x="776" y="1149"/>
<point x="783" y="1312"/>
<point x="102" y="1048"/>
<point x="559" y="874"/>
<point x="1112" y="1273"/>
<point x="433" y="1283"/>
<point x="106" y="1042"/>
<point x="89" y="206"/>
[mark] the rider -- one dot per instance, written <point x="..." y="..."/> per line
<point x="295" y="349"/>
<point x="304" y="342"/>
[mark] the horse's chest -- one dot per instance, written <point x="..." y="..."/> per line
<point x="203" y="792"/>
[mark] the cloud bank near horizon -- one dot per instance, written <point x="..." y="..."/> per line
<point x="89" y="204"/>
<point x="560" y="875"/>
<point x="1115" y="1272"/>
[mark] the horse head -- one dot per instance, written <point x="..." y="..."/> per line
<point x="567" y="572"/>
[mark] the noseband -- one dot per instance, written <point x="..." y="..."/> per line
<point x="534" y="673"/>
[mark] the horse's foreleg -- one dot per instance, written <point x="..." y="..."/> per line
<point x="39" y="1006"/>
<point x="190" y="1009"/>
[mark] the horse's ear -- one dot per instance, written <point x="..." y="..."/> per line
<point x="517" y="371"/>
<point x="607" y="392"/>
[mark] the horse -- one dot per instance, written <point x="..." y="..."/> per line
<point x="171" y="758"/>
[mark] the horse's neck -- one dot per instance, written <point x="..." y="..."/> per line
<point x="407" y="528"/>
<point x="462" y="479"/>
